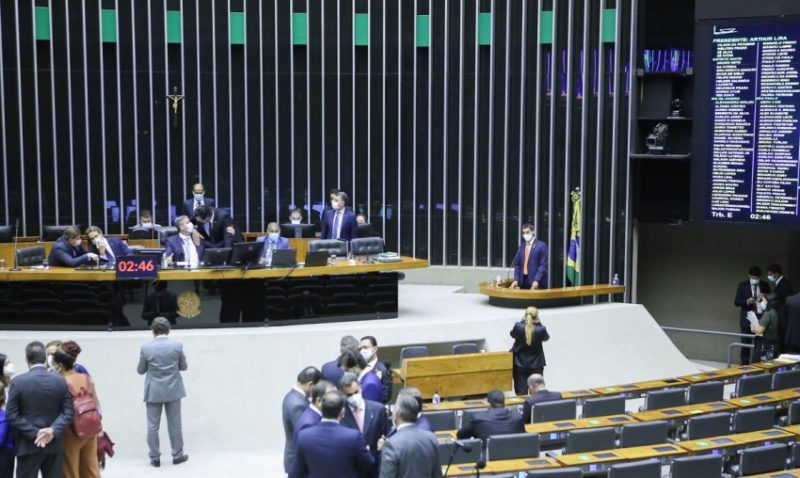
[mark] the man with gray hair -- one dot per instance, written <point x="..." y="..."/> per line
<point x="538" y="394"/>
<point x="410" y="452"/>
<point x="422" y="420"/>
<point x="163" y="361"/>
<point x="331" y="371"/>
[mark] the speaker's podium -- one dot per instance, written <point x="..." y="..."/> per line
<point x="502" y="295"/>
<point x="459" y="375"/>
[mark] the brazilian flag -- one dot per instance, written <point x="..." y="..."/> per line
<point x="573" y="256"/>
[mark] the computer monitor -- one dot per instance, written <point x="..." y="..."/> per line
<point x="284" y="258"/>
<point x="246" y="253"/>
<point x="298" y="230"/>
<point x="52" y="233"/>
<point x="219" y="256"/>
<point x="365" y="230"/>
<point x="157" y="252"/>
<point x="139" y="233"/>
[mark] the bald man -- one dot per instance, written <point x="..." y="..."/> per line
<point x="198" y="199"/>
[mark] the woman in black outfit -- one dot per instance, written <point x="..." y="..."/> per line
<point x="528" y="335"/>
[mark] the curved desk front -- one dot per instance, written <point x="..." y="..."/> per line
<point x="503" y="296"/>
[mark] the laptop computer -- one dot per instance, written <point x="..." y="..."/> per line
<point x="316" y="259"/>
<point x="284" y="258"/>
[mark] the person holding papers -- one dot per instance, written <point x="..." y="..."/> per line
<point x="765" y="329"/>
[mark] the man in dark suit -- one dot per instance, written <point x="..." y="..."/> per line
<point x="410" y="452"/>
<point x="782" y="289"/>
<point x="366" y="416"/>
<point x="368" y="347"/>
<point x="339" y="222"/>
<point x="530" y="269"/>
<point x="186" y="246"/>
<point x="330" y="449"/>
<point x="106" y="248"/>
<point x="39" y="406"/>
<point x="498" y="420"/>
<point x="68" y="252"/>
<point x="215" y="226"/>
<point x="539" y="394"/>
<point x="313" y="414"/>
<point x="160" y="303"/>
<point x="331" y="371"/>
<point x="422" y="421"/>
<point x="198" y="199"/>
<point x="272" y="240"/>
<point x="295" y="403"/>
<point x="747" y="293"/>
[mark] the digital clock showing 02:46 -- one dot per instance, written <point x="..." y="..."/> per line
<point x="137" y="267"/>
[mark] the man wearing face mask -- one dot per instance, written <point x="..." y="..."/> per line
<point x="198" y="199"/>
<point x="68" y="252"/>
<point x="782" y="289"/>
<point x="366" y="416"/>
<point x="368" y="347"/>
<point x="294" y="404"/>
<point x="296" y="216"/>
<point x="530" y="269"/>
<point x="339" y="222"/>
<point x="186" y="246"/>
<point x="273" y="240"/>
<point x="747" y="293"/>
<point x="107" y="249"/>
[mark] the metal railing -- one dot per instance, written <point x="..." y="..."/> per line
<point x="731" y="345"/>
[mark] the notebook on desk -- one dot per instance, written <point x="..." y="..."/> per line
<point x="316" y="259"/>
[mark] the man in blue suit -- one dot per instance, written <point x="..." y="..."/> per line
<point x="198" y="199"/>
<point x="339" y="222"/>
<point x="330" y="449"/>
<point x="68" y="252"/>
<point x="530" y="270"/>
<point x="273" y="240"/>
<point x="107" y="249"/>
<point x="366" y="416"/>
<point x="186" y="245"/>
<point x="313" y="414"/>
<point x="331" y="371"/>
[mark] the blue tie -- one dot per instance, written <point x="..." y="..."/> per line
<point x="335" y="234"/>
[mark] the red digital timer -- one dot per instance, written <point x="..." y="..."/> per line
<point x="137" y="267"/>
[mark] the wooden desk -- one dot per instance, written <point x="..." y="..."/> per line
<point x="458" y="375"/>
<point x="342" y="267"/>
<point x="651" y="451"/>
<point x="481" y="403"/>
<point x="723" y="374"/>
<point x="593" y="461"/>
<point x="561" y="427"/>
<point x="505" y="466"/>
<point x="792" y="429"/>
<point x="639" y="388"/>
<point x="686" y="411"/>
<point x="7" y="250"/>
<point x="777" y="397"/>
<point x="299" y="244"/>
<point x="778" y="363"/>
<point x="503" y="296"/>
<point x="736" y="441"/>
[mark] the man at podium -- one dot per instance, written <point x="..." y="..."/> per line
<point x="530" y="263"/>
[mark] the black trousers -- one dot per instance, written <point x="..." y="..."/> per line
<point x="50" y="464"/>
<point x="6" y="463"/>
<point x="521" y="375"/>
<point x="744" y="354"/>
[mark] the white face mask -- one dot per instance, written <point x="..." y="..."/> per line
<point x="198" y="197"/>
<point x="98" y="241"/>
<point x="527" y="237"/>
<point x="355" y="401"/>
<point x="189" y="228"/>
<point x="77" y="243"/>
<point x="754" y="281"/>
<point x="295" y="220"/>
<point x="8" y="370"/>
<point x="273" y="236"/>
<point x="761" y="306"/>
<point x="367" y="354"/>
<point x="335" y="204"/>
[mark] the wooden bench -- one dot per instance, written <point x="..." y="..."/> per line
<point x="503" y="296"/>
<point x="458" y="375"/>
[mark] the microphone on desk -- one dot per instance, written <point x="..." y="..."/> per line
<point x="16" y="233"/>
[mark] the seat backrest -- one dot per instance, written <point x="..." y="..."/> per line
<point x="468" y="415"/>
<point x="673" y="397"/>
<point x="366" y="246"/>
<point x="165" y="233"/>
<point x="795" y="455"/>
<point x="6" y="233"/>
<point x="331" y="246"/>
<point x="582" y="441"/>
<point x="753" y="384"/>
<point x="462" y="455"/>
<point x="30" y="256"/>
<point x="600" y="407"/>
<point x="793" y="417"/>
<point x="707" y="466"/>
<point x="509" y="447"/>
<point x="753" y="419"/>
<point x="467" y="348"/>
<point x="141" y="233"/>
<point x="762" y="459"/>
<point x="414" y="351"/>
<point x="643" y="434"/>
<point x="52" y="233"/>
<point x="714" y="424"/>
<point x="552" y="411"/>
<point x="636" y="469"/>
<point x="705" y="392"/>
<point x="786" y="379"/>
<point x="441" y="420"/>
<point x="556" y="473"/>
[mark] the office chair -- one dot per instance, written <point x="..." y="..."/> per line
<point x="705" y="392"/>
<point x="711" y="425"/>
<point x="673" y="397"/>
<point x="552" y="411"/>
<point x="441" y="420"/>
<point x="466" y="348"/>
<point x="753" y="419"/>
<point x="762" y="459"/>
<point x="643" y="434"/>
<point x="474" y="445"/>
<point x="753" y="385"/>
<point x="600" y="407"/>
<point x="584" y="441"/>
<point x="707" y="466"/>
<point x="786" y="379"/>
<point x="414" y="351"/>
<point x="331" y="246"/>
<point x="366" y="246"/>
<point x="636" y="469"/>
<point x="512" y="446"/>
<point x="556" y="473"/>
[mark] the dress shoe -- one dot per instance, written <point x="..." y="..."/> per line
<point x="180" y="459"/>
<point x="155" y="462"/>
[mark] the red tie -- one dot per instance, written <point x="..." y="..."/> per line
<point x="358" y="413"/>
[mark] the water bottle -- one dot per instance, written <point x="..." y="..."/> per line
<point x="333" y="259"/>
<point x="45" y="264"/>
<point x="437" y="399"/>
<point x="615" y="280"/>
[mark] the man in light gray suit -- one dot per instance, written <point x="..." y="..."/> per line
<point x="410" y="452"/>
<point x="163" y="361"/>
<point x="294" y="404"/>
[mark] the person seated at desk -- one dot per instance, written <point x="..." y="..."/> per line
<point x="68" y="252"/>
<point x="146" y="220"/>
<point x="198" y="199"/>
<point x="539" y="394"/>
<point x="296" y="216"/>
<point x="215" y="226"/>
<point x="106" y="248"/>
<point x="160" y="303"/>
<point x="498" y="420"/>
<point x="273" y="240"/>
<point x="186" y="246"/>
<point x="530" y="263"/>
<point x="339" y="222"/>
<point x="361" y="219"/>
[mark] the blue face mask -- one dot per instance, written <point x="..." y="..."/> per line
<point x="273" y="236"/>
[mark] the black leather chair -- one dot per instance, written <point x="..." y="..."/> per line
<point x="643" y="434"/>
<point x="753" y="384"/>
<point x="705" y="392"/>
<point x="707" y="466"/>
<point x="762" y="459"/>
<point x="331" y="246"/>
<point x="441" y="420"/>
<point x="465" y="348"/>
<point x="30" y="256"/>
<point x="636" y="469"/>
<point x="552" y="411"/>
<point x="674" y="397"/>
<point x="600" y="407"/>
<point x="446" y="449"/>
<point x="366" y="246"/>
<point x="6" y="234"/>
<point x="785" y="379"/>
<point x="414" y="351"/>
<point x="711" y="425"/>
<point x="793" y="416"/>
<point x="593" y="439"/>
<point x="753" y="419"/>
<point x="165" y="233"/>
<point x="140" y="233"/>
<point x="52" y="233"/>
<point x="509" y="447"/>
<point x="556" y="473"/>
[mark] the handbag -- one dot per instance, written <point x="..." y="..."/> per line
<point x="86" y="421"/>
<point x="104" y="447"/>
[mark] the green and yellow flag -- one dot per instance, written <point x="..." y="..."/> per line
<point x="573" y="256"/>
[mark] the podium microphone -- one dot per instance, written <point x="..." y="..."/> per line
<point x="16" y="233"/>
<point x="512" y="266"/>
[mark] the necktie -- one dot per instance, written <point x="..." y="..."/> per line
<point x="754" y="291"/>
<point x="336" y="219"/>
<point x="186" y="249"/>
<point x="527" y="256"/>
<point x="358" y="413"/>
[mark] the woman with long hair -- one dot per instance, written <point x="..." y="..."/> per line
<point x="528" y="335"/>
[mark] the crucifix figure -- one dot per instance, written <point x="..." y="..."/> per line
<point x="175" y="98"/>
